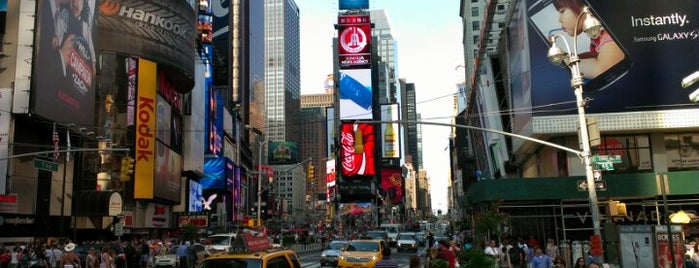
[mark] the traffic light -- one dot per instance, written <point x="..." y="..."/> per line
<point x="311" y="174"/>
<point x="126" y="168"/>
<point x="253" y="223"/>
<point x="616" y="209"/>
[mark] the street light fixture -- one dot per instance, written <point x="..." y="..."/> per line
<point x="259" y="170"/>
<point x="592" y="27"/>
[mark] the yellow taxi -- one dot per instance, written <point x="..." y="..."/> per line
<point x="361" y="253"/>
<point x="250" y="251"/>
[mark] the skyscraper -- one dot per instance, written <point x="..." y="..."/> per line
<point x="282" y="70"/>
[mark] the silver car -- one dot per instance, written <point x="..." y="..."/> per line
<point x="329" y="256"/>
<point x="406" y="241"/>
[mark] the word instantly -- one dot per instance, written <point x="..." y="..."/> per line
<point x="673" y="19"/>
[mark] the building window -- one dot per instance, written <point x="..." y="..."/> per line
<point x="476" y="25"/>
<point x="634" y="151"/>
<point x="474" y="11"/>
<point x="682" y="151"/>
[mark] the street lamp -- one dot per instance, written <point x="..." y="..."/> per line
<point x="592" y="27"/>
<point x="259" y="170"/>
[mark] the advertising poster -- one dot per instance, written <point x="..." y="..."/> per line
<point x="392" y="184"/>
<point x="682" y="151"/>
<point x="157" y="216"/>
<point x="195" y="197"/>
<point x="64" y="87"/>
<point x="357" y="147"/>
<point x="214" y="123"/>
<point x="282" y="153"/>
<point x="330" y="180"/>
<point x="354" y="37"/>
<point x="663" y="245"/>
<point x="356" y="95"/>
<point x="653" y="47"/>
<point x="145" y="124"/>
<point x="167" y="174"/>
<point x="331" y="131"/>
<point x="199" y="221"/>
<point x="390" y="131"/>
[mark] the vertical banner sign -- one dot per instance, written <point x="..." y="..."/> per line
<point x="354" y="37"/>
<point x="145" y="126"/>
<point x="357" y="149"/>
<point x="6" y="103"/>
<point x="330" y="177"/>
<point x="389" y="131"/>
<point x="662" y="242"/>
<point x="392" y="184"/>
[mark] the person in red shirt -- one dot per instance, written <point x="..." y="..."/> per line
<point x="532" y="242"/>
<point x="445" y="253"/>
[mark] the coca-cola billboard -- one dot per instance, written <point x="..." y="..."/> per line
<point x="357" y="149"/>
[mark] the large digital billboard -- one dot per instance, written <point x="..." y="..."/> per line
<point x="64" y="87"/>
<point x="145" y="127"/>
<point x="330" y="180"/>
<point x="354" y="41"/>
<point x="357" y="149"/>
<point x="330" y="131"/>
<point x="356" y="95"/>
<point x="213" y="117"/>
<point x="168" y="167"/>
<point x="214" y="174"/>
<point x="653" y="47"/>
<point x="162" y="31"/>
<point x="195" y="197"/>
<point x="353" y="4"/>
<point x="390" y="131"/>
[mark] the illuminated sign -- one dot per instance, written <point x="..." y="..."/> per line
<point x="145" y="126"/>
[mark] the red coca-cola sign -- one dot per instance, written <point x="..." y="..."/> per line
<point x="357" y="150"/>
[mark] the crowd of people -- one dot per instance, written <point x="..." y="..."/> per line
<point x="137" y="253"/>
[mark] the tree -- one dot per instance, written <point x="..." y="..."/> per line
<point x="488" y="221"/>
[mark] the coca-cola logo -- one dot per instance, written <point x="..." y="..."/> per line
<point x="347" y="141"/>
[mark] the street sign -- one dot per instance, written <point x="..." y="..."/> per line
<point x="607" y="158"/>
<point x="45" y="165"/>
<point x="605" y="166"/>
<point x="597" y="174"/>
<point x="599" y="185"/>
<point x="118" y="229"/>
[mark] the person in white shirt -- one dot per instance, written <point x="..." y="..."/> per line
<point x="494" y="251"/>
<point x="53" y="255"/>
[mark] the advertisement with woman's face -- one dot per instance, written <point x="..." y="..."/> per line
<point x="635" y="63"/>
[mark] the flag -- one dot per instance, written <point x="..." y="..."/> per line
<point x="68" y="145"/>
<point x="56" y="139"/>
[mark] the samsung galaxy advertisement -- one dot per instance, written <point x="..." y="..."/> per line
<point x="634" y="63"/>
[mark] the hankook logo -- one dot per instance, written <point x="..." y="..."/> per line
<point x="111" y="8"/>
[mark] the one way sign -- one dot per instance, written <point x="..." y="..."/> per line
<point x="599" y="185"/>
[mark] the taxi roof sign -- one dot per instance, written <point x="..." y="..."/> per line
<point x="248" y="241"/>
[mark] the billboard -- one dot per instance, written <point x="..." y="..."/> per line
<point x="214" y="174"/>
<point x="168" y="170"/>
<point x="356" y="95"/>
<point x="5" y="101"/>
<point x="195" y="197"/>
<point x="662" y="245"/>
<point x="157" y="216"/>
<point x="162" y="31"/>
<point x="64" y="87"/>
<point x="390" y="131"/>
<point x="330" y="180"/>
<point x="145" y="125"/>
<point x="282" y="153"/>
<point x="357" y="147"/>
<point x="214" y="123"/>
<point x="655" y="47"/>
<point x="354" y="41"/>
<point x="330" y="131"/>
<point x="353" y="4"/>
<point x="392" y="184"/>
<point x="174" y="100"/>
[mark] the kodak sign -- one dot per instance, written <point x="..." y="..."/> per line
<point x="145" y="130"/>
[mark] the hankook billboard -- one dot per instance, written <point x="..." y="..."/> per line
<point x="163" y="31"/>
<point x="635" y="64"/>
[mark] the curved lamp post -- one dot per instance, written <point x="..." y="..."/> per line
<point x="592" y="27"/>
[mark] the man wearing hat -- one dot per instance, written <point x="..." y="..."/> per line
<point x="70" y="259"/>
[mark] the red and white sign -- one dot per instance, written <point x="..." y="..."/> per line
<point x="157" y="216"/>
<point x="8" y="203"/>
<point x="357" y="156"/>
<point x="199" y="221"/>
<point x="354" y="40"/>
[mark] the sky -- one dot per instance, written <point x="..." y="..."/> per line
<point x="428" y="34"/>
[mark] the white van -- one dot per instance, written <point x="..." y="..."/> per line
<point x="392" y="229"/>
<point x="220" y="242"/>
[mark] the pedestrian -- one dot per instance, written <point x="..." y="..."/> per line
<point x="558" y="262"/>
<point x="493" y="251"/>
<point x="551" y="249"/>
<point x="105" y="258"/>
<point x="14" y="262"/>
<point x="430" y="240"/>
<point x="386" y="261"/>
<point x="92" y="259"/>
<point x="505" y="260"/>
<point x="5" y="258"/>
<point x="540" y="260"/>
<point x="182" y="254"/>
<point x="431" y="255"/>
<point x="192" y="257"/>
<point x="414" y="261"/>
<point x="579" y="263"/>
<point x="69" y="259"/>
<point x="445" y="253"/>
<point x="53" y="255"/>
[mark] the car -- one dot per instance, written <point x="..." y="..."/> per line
<point x="253" y="253"/>
<point x="361" y="253"/>
<point x="170" y="258"/>
<point x="377" y="234"/>
<point x="331" y="252"/>
<point x="220" y="242"/>
<point x="421" y="239"/>
<point x="406" y="241"/>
